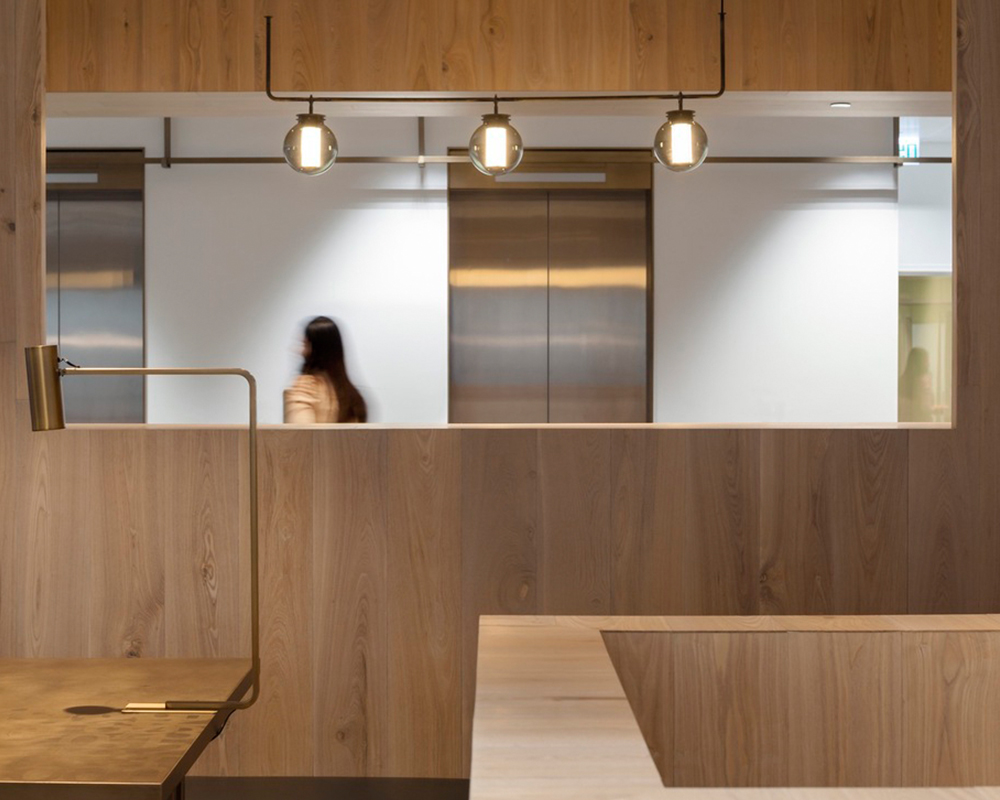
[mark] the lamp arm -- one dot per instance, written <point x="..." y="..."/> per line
<point x="211" y="705"/>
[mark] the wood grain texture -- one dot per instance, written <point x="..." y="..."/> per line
<point x="954" y="510"/>
<point x="29" y="167"/>
<point x="128" y="544"/>
<point x="276" y="735"/>
<point x="499" y="540"/>
<point x="758" y="701"/>
<point x="574" y="491"/>
<point x="351" y="595"/>
<point x="8" y="176"/>
<point x="846" y="727"/>
<point x="499" y="45"/>
<point x="644" y="663"/>
<point x="731" y="707"/>
<point x="424" y="615"/>
<point x="833" y="522"/>
<point x="147" y="46"/>
<point x="679" y="496"/>
<point x="52" y="551"/>
<point x="949" y="681"/>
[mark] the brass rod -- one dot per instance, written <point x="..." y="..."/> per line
<point x="212" y="705"/>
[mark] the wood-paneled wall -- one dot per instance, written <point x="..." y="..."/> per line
<point x="499" y="45"/>
<point x="382" y="546"/>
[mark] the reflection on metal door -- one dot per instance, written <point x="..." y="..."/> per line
<point x="499" y="326"/>
<point x="597" y="307"/>
<point x="94" y="276"/>
<point x="549" y="298"/>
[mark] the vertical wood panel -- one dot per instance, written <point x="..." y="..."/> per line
<point x="29" y="209"/>
<point x="425" y="612"/>
<point x="11" y="456"/>
<point x="351" y="601"/>
<point x="499" y="540"/>
<point x="128" y="547"/>
<point x="847" y="725"/>
<point x="954" y="511"/>
<point x="198" y="496"/>
<point x="644" y="663"/>
<point x="275" y="737"/>
<point x="574" y="476"/>
<point x="685" y="521"/>
<point x="52" y="547"/>
<point x="951" y="705"/>
<point x="730" y="697"/>
<point x="833" y="531"/>
<point x="8" y="176"/>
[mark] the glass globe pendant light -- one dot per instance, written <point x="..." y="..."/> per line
<point x="496" y="147"/>
<point x="310" y="146"/>
<point x="681" y="144"/>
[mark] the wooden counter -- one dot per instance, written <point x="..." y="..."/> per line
<point x="735" y="702"/>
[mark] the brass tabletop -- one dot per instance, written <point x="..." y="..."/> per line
<point x="62" y="735"/>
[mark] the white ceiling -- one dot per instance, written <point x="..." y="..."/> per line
<point x="256" y="104"/>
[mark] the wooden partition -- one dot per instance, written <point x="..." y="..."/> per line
<point x="381" y="547"/>
<point x="487" y="46"/>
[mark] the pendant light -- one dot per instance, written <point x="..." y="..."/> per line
<point x="496" y="147"/>
<point x="681" y="144"/>
<point x="310" y="147"/>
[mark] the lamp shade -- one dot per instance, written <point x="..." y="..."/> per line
<point x="681" y="144"/>
<point x="310" y="146"/>
<point x="44" y="388"/>
<point x="495" y="147"/>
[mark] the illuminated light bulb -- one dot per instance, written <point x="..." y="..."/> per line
<point x="310" y="146"/>
<point x="496" y="147"/>
<point x="681" y="144"/>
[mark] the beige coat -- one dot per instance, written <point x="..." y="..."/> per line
<point x="311" y="400"/>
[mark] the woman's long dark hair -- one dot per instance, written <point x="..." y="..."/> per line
<point x="326" y="357"/>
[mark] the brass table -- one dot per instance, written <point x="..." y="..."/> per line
<point x="62" y="737"/>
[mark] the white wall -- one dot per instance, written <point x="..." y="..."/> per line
<point x="775" y="286"/>
<point x="925" y="218"/>
<point x="776" y="295"/>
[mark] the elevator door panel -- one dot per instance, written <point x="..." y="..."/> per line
<point x="95" y="264"/>
<point x="598" y="255"/>
<point x="498" y="316"/>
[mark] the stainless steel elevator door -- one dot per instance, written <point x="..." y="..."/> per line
<point x="548" y="317"/>
<point x="598" y="275"/>
<point x="498" y="345"/>
<point x="94" y="267"/>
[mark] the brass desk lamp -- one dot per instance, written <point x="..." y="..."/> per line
<point x="45" y="398"/>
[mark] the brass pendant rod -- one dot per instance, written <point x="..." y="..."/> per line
<point x="502" y="98"/>
<point x="211" y="705"/>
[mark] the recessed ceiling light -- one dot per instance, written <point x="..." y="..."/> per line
<point x="840" y="104"/>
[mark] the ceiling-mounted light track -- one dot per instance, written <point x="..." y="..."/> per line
<point x="496" y="148"/>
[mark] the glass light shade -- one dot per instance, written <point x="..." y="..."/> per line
<point x="310" y="146"/>
<point x="681" y="144"/>
<point x="495" y="147"/>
